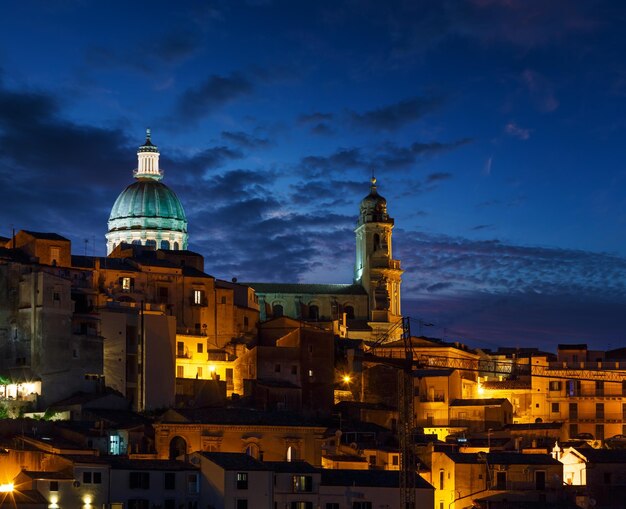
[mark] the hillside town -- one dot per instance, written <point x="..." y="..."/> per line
<point x="137" y="380"/>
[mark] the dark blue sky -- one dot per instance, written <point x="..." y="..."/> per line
<point x="495" y="128"/>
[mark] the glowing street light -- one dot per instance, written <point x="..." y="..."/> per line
<point x="346" y="379"/>
<point x="6" y="488"/>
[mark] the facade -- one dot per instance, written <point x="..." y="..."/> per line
<point x="269" y="436"/>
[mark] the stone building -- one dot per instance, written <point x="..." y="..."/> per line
<point x="368" y="307"/>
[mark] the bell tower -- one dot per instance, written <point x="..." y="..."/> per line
<point x="375" y="269"/>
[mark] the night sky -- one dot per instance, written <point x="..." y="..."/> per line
<point x="495" y="128"/>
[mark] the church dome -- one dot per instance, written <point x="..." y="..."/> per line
<point x="147" y="202"/>
<point x="373" y="206"/>
<point x="147" y="212"/>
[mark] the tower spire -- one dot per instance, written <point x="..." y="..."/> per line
<point x="148" y="160"/>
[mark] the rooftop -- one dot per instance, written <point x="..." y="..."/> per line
<point x="234" y="460"/>
<point x="305" y="288"/>
<point x="369" y="478"/>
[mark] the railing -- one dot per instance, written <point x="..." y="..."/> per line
<point x="187" y="331"/>
<point x="595" y="393"/>
<point x="434" y="399"/>
<point x="587" y="365"/>
<point x="607" y="417"/>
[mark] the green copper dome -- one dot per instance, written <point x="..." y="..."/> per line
<point x="147" y="212"/>
<point x="147" y="203"/>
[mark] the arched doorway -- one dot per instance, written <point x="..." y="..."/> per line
<point x="178" y="447"/>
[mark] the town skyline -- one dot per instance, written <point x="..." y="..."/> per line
<point x="495" y="138"/>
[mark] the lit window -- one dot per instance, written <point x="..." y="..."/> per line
<point x="127" y="284"/>
<point x="242" y="480"/>
<point x="180" y="371"/>
<point x="200" y="347"/>
<point x="198" y="297"/>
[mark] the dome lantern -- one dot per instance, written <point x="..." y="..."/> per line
<point x="148" y="160"/>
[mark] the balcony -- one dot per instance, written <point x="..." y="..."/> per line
<point x="596" y="393"/>
<point x="438" y="398"/>
<point x="598" y="365"/>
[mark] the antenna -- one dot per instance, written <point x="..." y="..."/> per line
<point x="86" y="244"/>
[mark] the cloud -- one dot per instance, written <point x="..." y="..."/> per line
<point x="438" y="177"/>
<point x="211" y="94"/>
<point x="314" y="118"/>
<point x="512" y="129"/>
<point x="541" y="91"/>
<point x="496" y="267"/>
<point x="321" y="129"/>
<point x="386" y="157"/>
<point x="394" y="116"/>
<point x="151" y="54"/>
<point x="245" y="140"/>
<point x="480" y="227"/>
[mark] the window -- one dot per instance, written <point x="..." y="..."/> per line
<point x="128" y="284"/>
<point x="361" y="505"/>
<point x="163" y="297"/>
<point x="86" y="477"/>
<point x="56" y="296"/>
<point x="138" y="503"/>
<point x="151" y="243"/>
<point x="301" y="505"/>
<point x="54" y="485"/>
<point x="573" y="430"/>
<point x="199" y="372"/>
<point x="395" y="460"/>
<point x="599" y="388"/>
<point x="199" y="347"/>
<point x="169" y="503"/>
<point x="97" y="477"/>
<point x="555" y="385"/>
<point x="139" y="480"/>
<point x="599" y="431"/>
<point x="332" y="505"/>
<point x="242" y="480"/>
<point x="245" y="323"/>
<point x="193" y="484"/>
<point x="294" y="370"/>
<point x="302" y="483"/>
<point x="555" y="408"/>
<point x="252" y="450"/>
<point x="624" y="411"/>
<point x="314" y="312"/>
<point x="169" y="481"/>
<point x="165" y="244"/>
<point x="573" y="410"/>
<point x="277" y="310"/>
<point x="136" y="242"/>
<point x="349" y="310"/>
<point x="599" y="410"/>
<point x="501" y="480"/>
<point x="180" y="349"/>
<point x="441" y="479"/>
<point x="198" y="297"/>
<point x="180" y="371"/>
<point x="223" y="301"/>
<point x="175" y="246"/>
<point x="55" y="254"/>
<point x="242" y="503"/>
<point x="310" y="372"/>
